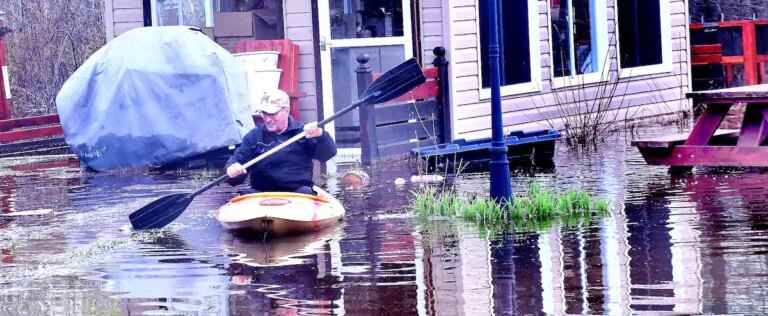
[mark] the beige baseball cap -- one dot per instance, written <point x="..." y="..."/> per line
<point x="269" y="101"/>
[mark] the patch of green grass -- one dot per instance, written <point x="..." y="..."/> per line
<point x="534" y="210"/>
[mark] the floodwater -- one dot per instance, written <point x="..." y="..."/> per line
<point x="675" y="244"/>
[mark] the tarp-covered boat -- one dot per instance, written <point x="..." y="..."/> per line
<point x="152" y="96"/>
<point x="281" y="213"/>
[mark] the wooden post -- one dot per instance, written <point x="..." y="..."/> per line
<point x="444" y="94"/>
<point x="368" y="143"/>
<point x="749" y="42"/>
<point x="5" y="109"/>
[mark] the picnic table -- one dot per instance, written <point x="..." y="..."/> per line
<point x="706" y="144"/>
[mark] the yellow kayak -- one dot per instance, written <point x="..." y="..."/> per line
<point x="281" y="213"/>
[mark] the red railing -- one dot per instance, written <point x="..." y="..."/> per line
<point x="741" y="47"/>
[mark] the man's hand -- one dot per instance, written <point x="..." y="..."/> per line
<point x="312" y="130"/>
<point x="235" y="170"/>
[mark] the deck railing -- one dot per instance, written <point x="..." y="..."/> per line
<point x="420" y="117"/>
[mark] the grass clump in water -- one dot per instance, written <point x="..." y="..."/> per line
<point x="534" y="209"/>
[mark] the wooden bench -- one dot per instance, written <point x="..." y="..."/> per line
<point x="669" y="141"/>
<point x="705" y="144"/>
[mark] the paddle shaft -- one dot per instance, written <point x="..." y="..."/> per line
<point x="282" y="145"/>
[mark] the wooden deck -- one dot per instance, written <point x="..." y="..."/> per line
<point x="704" y="145"/>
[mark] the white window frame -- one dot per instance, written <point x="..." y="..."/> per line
<point x="666" y="46"/>
<point x="533" y="37"/>
<point x="207" y="4"/>
<point x="600" y="31"/>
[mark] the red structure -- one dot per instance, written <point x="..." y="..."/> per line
<point x="729" y="53"/>
<point x="288" y="62"/>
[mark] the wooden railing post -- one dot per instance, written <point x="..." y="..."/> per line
<point x="368" y="142"/>
<point x="5" y="108"/>
<point x="444" y="94"/>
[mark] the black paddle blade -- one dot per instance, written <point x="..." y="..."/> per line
<point x="160" y="212"/>
<point x="396" y="81"/>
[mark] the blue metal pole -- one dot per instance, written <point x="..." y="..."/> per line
<point x="501" y="188"/>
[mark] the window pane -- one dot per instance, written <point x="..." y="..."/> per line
<point x="762" y="39"/>
<point x="193" y="13"/>
<point x="639" y="32"/>
<point x="561" y="38"/>
<point x="267" y="16"/>
<point x="586" y="57"/>
<point x="730" y="41"/>
<point x="366" y="18"/>
<point x="181" y="12"/>
<point x="343" y="66"/>
<point x="704" y="36"/>
<point x="168" y="12"/>
<point x="515" y="58"/>
<point x="572" y="40"/>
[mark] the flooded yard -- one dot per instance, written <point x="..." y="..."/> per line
<point x="692" y="243"/>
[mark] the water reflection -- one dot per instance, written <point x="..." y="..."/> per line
<point x="296" y="275"/>
<point x="684" y="244"/>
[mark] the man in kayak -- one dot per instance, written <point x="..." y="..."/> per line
<point x="289" y="169"/>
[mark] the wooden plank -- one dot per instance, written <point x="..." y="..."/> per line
<point x="129" y="15"/>
<point x="404" y="147"/>
<point x="689" y="156"/>
<point x="7" y="125"/>
<point x="755" y="125"/>
<point x="671" y="140"/>
<point x="707" y="124"/>
<point x="31" y="145"/>
<point x="732" y="60"/>
<point x="13" y="136"/>
<point x="394" y="113"/>
<point x="427" y="90"/>
<point x="754" y="93"/>
<point x="706" y="49"/>
<point x="704" y="59"/>
<point x="126" y="4"/>
<point x="347" y="137"/>
<point x="405" y="131"/>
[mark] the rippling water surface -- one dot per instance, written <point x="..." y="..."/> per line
<point x="683" y="244"/>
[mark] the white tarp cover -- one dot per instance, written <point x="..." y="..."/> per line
<point x="154" y="95"/>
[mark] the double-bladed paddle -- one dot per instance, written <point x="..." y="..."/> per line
<point x="393" y="83"/>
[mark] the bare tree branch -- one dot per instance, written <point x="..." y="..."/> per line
<point x="48" y="41"/>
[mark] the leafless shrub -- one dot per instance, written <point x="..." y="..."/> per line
<point x="48" y="41"/>
<point x="590" y="112"/>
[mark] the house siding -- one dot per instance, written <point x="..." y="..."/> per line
<point x="432" y="28"/>
<point x="298" y="28"/>
<point x="122" y="15"/>
<point x="641" y="96"/>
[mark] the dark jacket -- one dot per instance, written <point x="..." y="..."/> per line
<point x="287" y="169"/>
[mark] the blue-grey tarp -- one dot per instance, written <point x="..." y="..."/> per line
<point x="154" y="95"/>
